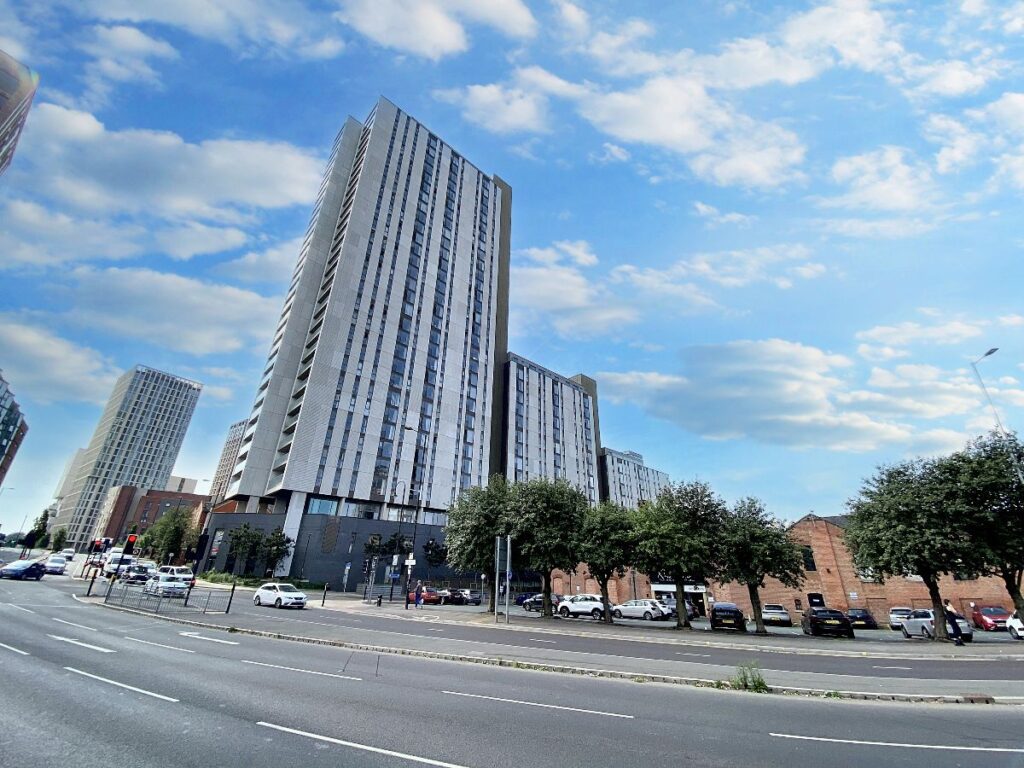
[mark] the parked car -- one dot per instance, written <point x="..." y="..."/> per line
<point x="136" y="574"/>
<point x="472" y="596"/>
<point x="773" y="613"/>
<point x="166" y="585"/>
<point x="1015" y="626"/>
<point x="55" y="564"/>
<point x="826" y="621"/>
<point x="23" y="569"/>
<point x="861" y="618"/>
<point x="279" y="596"/>
<point x="672" y="605"/>
<point x="897" y="615"/>
<point x="581" y="605"/>
<point x="989" y="617"/>
<point x="727" y="616"/>
<point x="179" y="570"/>
<point x="430" y="596"/>
<point x="522" y="597"/>
<point x="536" y="603"/>
<point x="451" y="597"/>
<point x="921" y="623"/>
<point x="69" y="554"/>
<point x="648" y="610"/>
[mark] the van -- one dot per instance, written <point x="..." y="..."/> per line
<point x="117" y="563"/>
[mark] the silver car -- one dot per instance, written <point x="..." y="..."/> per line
<point x="921" y="623"/>
<point x="55" y="564"/>
<point x="897" y="615"/>
<point x="641" y="609"/>
<point x="166" y="585"/>
<point x="773" y="613"/>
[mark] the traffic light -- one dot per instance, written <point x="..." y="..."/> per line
<point x="129" y="545"/>
<point x="97" y="546"/>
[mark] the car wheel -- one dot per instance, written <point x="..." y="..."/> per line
<point x="905" y="633"/>
<point x="40" y="576"/>
<point x="617" y="614"/>
<point x="743" y="627"/>
<point x="925" y="633"/>
<point x="850" y="634"/>
<point x="647" y="616"/>
<point x="597" y="613"/>
<point x="564" y="613"/>
<point x="256" y="600"/>
<point x="968" y="638"/>
<point x="277" y="603"/>
<point x="1014" y="634"/>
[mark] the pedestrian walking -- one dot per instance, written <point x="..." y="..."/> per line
<point x="419" y="594"/>
<point x="951" y="620"/>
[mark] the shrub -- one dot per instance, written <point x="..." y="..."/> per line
<point x="749" y="678"/>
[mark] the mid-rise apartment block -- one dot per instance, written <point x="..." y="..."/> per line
<point x="12" y="427"/>
<point x="226" y="463"/>
<point x="551" y="426"/>
<point x="17" y="88"/>
<point x="128" y="509"/>
<point x="380" y="393"/>
<point x="136" y="442"/>
<point x="627" y="481"/>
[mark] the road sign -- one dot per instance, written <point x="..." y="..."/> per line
<point x="394" y="559"/>
<point x="410" y="562"/>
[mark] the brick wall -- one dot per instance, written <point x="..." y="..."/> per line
<point x="620" y="588"/>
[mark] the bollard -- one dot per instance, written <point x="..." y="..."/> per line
<point x="379" y="599"/>
<point x="93" y="581"/>
<point x="231" y="596"/>
<point x="324" y="598"/>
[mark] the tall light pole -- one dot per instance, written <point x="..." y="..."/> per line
<point x="995" y="413"/>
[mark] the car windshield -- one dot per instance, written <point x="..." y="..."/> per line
<point x="828" y="613"/>
<point x="287" y="588"/>
<point x="772" y="607"/>
<point x="858" y="612"/>
<point x="900" y="612"/>
<point x="992" y="611"/>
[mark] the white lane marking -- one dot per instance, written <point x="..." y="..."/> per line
<point x="364" y="747"/>
<point x="435" y="630"/>
<point x="72" y="624"/>
<point x="12" y="648"/>
<point x="307" y="671"/>
<point x="84" y="645"/>
<point x="122" y="685"/>
<point x="158" y="645"/>
<point x="538" y="640"/>
<point x="897" y="744"/>
<point x="699" y="655"/>
<point x="197" y="636"/>
<point x="882" y="666"/>
<point x="26" y="610"/>
<point x="537" y="704"/>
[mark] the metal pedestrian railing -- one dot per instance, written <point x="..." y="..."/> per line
<point x="196" y="600"/>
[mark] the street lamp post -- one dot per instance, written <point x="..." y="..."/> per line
<point x="401" y="519"/>
<point x="995" y="413"/>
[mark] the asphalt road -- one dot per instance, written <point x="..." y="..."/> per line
<point x="85" y="687"/>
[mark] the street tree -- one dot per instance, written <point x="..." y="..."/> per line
<point x="991" y="500"/>
<point x="275" y="548"/>
<point x="907" y="521"/>
<point x="434" y="554"/>
<point x="756" y="546"/>
<point x="607" y="543"/>
<point x="474" y="520"/>
<point x="545" y="517"/>
<point x="679" y="536"/>
<point x="245" y="541"/>
<point x="60" y="538"/>
<point x="171" y="534"/>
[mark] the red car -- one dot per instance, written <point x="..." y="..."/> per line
<point x="430" y="596"/>
<point x="989" y="617"/>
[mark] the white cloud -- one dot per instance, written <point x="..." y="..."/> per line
<point x="15" y="36"/>
<point x="851" y="29"/>
<point x="882" y="180"/>
<point x="960" y="145"/>
<point x="73" y="157"/>
<point x="611" y="153"/>
<point x="909" y="333"/>
<point x="880" y="354"/>
<point x="273" y="266"/>
<point x="573" y="18"/>
<point x="432" y="28"/>
<point x="121" y="54"/>
<point x="281" y="27"/>
<point x="879" y="228"/>
<point x="1012" y="321"/>
<point x="499" y="109"/>
<point x="196" y="239"/>
<point x="171" y="311"/>
<point x="716" y="218"/>
<point x="45" y="368"/>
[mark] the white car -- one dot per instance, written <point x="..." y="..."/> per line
<point x="921" y="623"/>
<point x="117" y="564"/>
<point x="1015" y="626"/>
<point x="897" y="615"/>
<point x="581" y="605"/>
<point x="69" y="554"/>
<point x="55" y="564"/>
<point x="279" y="596"/>
<point x="641" y="609"/>
<point x="181" y="571"/>
<point x="166" y="585"/>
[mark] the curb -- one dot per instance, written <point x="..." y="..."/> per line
<point x="636" y="677"/>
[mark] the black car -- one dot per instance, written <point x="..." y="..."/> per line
<point x="727" y="616"/>
<point x="135" y="574"/>
<point x="536" y="603"/>
<point x="23" y="569"/>
<point x="472" y="596"/>
<point x="826" y="621"/>
<point x="452" y="597"/>
<point x="861" y="617"/>
<point x="522" y="597"/>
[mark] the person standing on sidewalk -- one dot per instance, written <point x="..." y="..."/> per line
<point x="951" y="619"/>
<point x="419" y="594"/>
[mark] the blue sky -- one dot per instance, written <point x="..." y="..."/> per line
<point x="775" y="233"/>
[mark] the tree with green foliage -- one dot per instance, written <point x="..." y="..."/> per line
<point x="434" y="554"/>
<point x="756" y="546"/>
<point x="679" y="537"/>
<point x="171" y="534"/>
<point x="60" y="538"/>
<point x="910" y="519"/>
<point x="991" y="500"/>
<point x="545" y="517"/>
<point x="607" y="544"/>
<point x="275" y="548"/>
<point x="245" y="541"/>
<point x="476" y="517"/>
